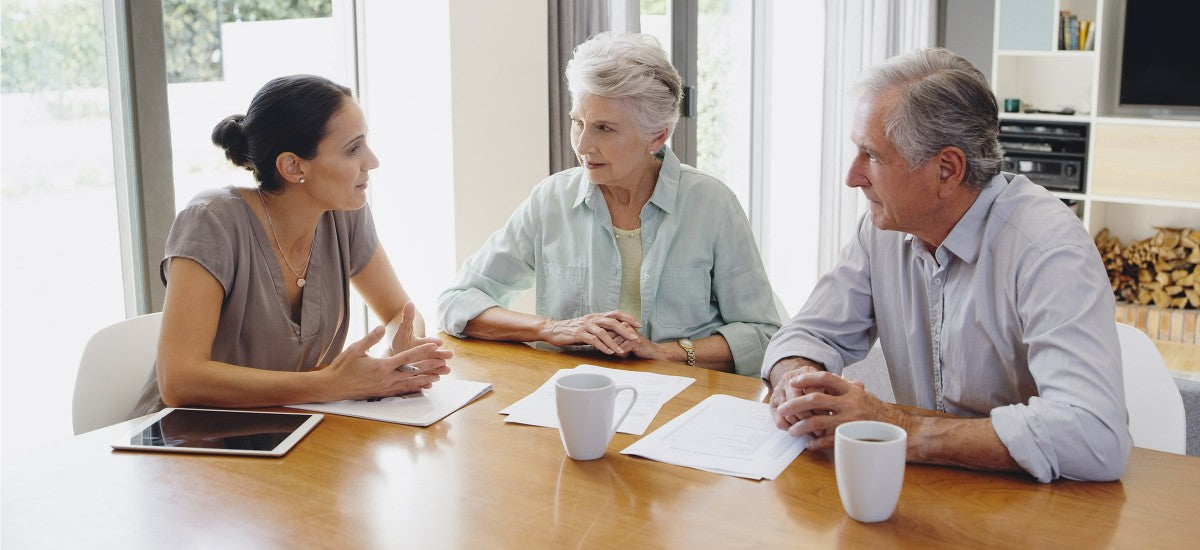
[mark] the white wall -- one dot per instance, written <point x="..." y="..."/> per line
<point x="498" y="59"/>
<point x="456" y="97"/>
<point x="501" y="116"/>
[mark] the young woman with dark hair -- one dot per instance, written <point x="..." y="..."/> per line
<point x="257" y="303"/>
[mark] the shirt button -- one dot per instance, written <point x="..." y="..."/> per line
<point x="937" y="281"/>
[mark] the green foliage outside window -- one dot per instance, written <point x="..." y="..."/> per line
<point x="654" y="7"/>
<point x="47" y="46"/>
<point x="193" y="35"/>
<point x="51" y="46"/>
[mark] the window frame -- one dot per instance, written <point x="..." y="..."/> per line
<point x="141" y="146"/>
<point x="684" y="55"/>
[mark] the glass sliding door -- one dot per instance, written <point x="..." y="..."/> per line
<point x="60" y="257"/>
<point x="723" y="86"/>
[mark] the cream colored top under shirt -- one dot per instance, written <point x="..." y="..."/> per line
<point x="629" y="246"/>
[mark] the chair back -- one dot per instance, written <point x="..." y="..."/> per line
<point x="115" y="365"/>
<point x="1156" y="415"/>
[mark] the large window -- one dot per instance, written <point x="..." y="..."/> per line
<point x="753" y="71"/>
<point x="715" y="134"/>
<point x="61" y="275"/>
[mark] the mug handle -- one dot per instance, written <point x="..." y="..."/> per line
<point x="627" y="409"/>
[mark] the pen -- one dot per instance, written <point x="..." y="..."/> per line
<point x="402" y="368"/>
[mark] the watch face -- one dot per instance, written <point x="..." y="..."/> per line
<point x="685" y="342"/>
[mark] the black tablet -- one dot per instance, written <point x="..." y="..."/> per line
<point x="215" y="431"/>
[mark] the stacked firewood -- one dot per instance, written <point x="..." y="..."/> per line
<point x="1163" y="270"/>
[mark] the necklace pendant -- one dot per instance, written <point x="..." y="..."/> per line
<point x="300" y="283"/>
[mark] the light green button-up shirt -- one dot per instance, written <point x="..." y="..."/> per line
<point x="701" y="271"/>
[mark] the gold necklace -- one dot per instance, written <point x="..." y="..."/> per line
<point x="299" y="273"/>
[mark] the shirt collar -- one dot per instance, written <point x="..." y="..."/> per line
<point x="666" y="190"/>
<point x="966" y="239"/>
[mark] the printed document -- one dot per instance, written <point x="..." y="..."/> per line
<point x="540" y="409"/>
<point x="415" y="409"/>
<point x="725" y="435"/>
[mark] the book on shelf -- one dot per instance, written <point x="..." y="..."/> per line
<point x="1074" y="33"/>
<point x="1064" y="30"/>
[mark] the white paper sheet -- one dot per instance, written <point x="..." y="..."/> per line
<point x="725" y="435"/>
<point x="539" y="409"/>
<point x="446" y="396"/>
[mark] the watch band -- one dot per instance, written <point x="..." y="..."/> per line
<point x="690" y="349"/>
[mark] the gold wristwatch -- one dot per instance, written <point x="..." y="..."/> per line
<point x="690" y="349"/>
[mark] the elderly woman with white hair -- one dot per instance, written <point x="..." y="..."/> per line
<point x="632" y="253"/>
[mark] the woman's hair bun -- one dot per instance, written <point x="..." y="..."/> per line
<point x="229" y="135"/>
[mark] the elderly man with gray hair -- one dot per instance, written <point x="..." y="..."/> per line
<point x="632" y="252"/>
<point x="985" y="292"/>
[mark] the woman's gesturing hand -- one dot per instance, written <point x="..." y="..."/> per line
<point x="602" y="331"/>
<point x="354" y="374"/>
<point x="399" y="332"/>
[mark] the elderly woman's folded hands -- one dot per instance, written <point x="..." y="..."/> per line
<point x="609" y="332"/>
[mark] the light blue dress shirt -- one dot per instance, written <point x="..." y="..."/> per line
<point x="1012" y="317"/>
<point x="701" y="270"/>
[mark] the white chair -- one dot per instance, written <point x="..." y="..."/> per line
<point x="115" y="366"/>
<point x="1156" y="415"/>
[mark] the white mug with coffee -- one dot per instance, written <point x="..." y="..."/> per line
<point x="586" y="403"/>
<point x="869" y="459"/>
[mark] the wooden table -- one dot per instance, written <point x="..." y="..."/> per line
<point x="473" y="481"/>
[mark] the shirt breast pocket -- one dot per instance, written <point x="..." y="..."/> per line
<point x="683" y="297"/>
<point x="561" y="294"/>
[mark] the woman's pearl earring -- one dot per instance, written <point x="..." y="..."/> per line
<point x="301" y="180"/>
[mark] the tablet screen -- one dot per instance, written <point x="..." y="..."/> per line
<point x="220" y="431"/>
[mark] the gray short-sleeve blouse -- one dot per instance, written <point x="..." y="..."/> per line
<point x="218" y="230"/>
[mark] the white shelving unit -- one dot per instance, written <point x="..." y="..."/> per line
<point x="1140" y="172"/>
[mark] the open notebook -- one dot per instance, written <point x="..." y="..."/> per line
<point x="416" y="409"/>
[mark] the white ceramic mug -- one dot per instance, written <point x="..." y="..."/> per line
<point x="869" y="459"/>
<point x="586" y="402"/>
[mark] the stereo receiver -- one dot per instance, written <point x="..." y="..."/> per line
<point x="1051" y="154"/>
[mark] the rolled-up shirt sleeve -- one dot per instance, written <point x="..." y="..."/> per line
<point x="494" y="276"/>
<point x="743" y="292"/>
<point x="1077" y="425"/>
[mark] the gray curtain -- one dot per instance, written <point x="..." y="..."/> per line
<point x="571" y="23"/>
<point x="858" y="34"/>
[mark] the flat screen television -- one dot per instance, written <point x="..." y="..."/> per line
<point x="1160" y="67"/>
